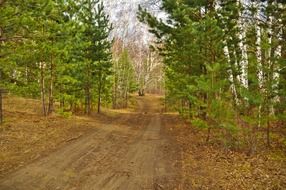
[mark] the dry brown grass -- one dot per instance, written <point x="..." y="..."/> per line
<point x="20" y="105"/>
<point x="207" y="166"/>
<point x="26" y="135"/>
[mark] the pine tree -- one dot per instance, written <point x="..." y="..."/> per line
<point x="96" y="55"/>
<point x="56" y="49"/>
<point x="103" y="52"/>
<point x="223" y="56"/>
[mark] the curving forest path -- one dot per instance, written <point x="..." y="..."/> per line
<point x="132" y="152"/>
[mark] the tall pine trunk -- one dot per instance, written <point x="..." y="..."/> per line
<point x="42" y="85"/>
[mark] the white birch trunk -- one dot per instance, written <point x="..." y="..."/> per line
<point x="269" y="56"/>
<point x="231" y="78"/>
<point x="227" y="55"/>
<point x="276" y="69"/>
<point x="258" y="53"/>
<point x="258" y="47"/>
<point x="269" y="32"/>
<point x="242" y="45"/>
<point x="277" y="56"/>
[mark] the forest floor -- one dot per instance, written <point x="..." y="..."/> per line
<point x="212" y="166"/>
<point x="137" y="148"/>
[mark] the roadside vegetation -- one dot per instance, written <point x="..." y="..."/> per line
<point x="224" y="64"/>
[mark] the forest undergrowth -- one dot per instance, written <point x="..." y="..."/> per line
<point x="213" y="166"/>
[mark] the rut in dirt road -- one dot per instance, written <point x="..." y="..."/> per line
<point x="131" y="153"/>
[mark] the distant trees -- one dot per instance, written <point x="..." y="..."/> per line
<point x="144" y="68"/>
<point x="224" y="65"/>
<point x="124" y="80"/>
<point x="150" y="74"/>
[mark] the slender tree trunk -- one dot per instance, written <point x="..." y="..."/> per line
<point x="271" y="55"/>
<point x="115" y="97"/>
<point x="268" y="133"/>
<point x="277" y="56"/>
<point x="231" y="77"/>
<point x="87" y="100"/>
<point x="237" y="77"/>
<point x="270" y="62"/>
<point x="42" y="81"/>
<point x="114" y="93"/>
<point x="242" y="45"/>
<point x="42" y="84"/>
<point x="51" y="89"/>
<point x="99" y="92"/>
<point x="126" y="99"/>
<point x="259" y="57"/>
<point x="88" y="90"/>
<point x="258" y="50"/>
<point x="126" y="96"/>
<point x="127" y="86"/>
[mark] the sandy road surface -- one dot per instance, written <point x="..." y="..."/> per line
<point x="132" y="152"/>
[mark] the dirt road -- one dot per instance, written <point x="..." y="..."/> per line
<point x="132" y="152"/>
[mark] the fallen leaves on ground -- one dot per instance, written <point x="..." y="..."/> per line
<point x="206" y="166"/>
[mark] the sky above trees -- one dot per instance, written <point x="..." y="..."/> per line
<point x="123" y="15"/>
